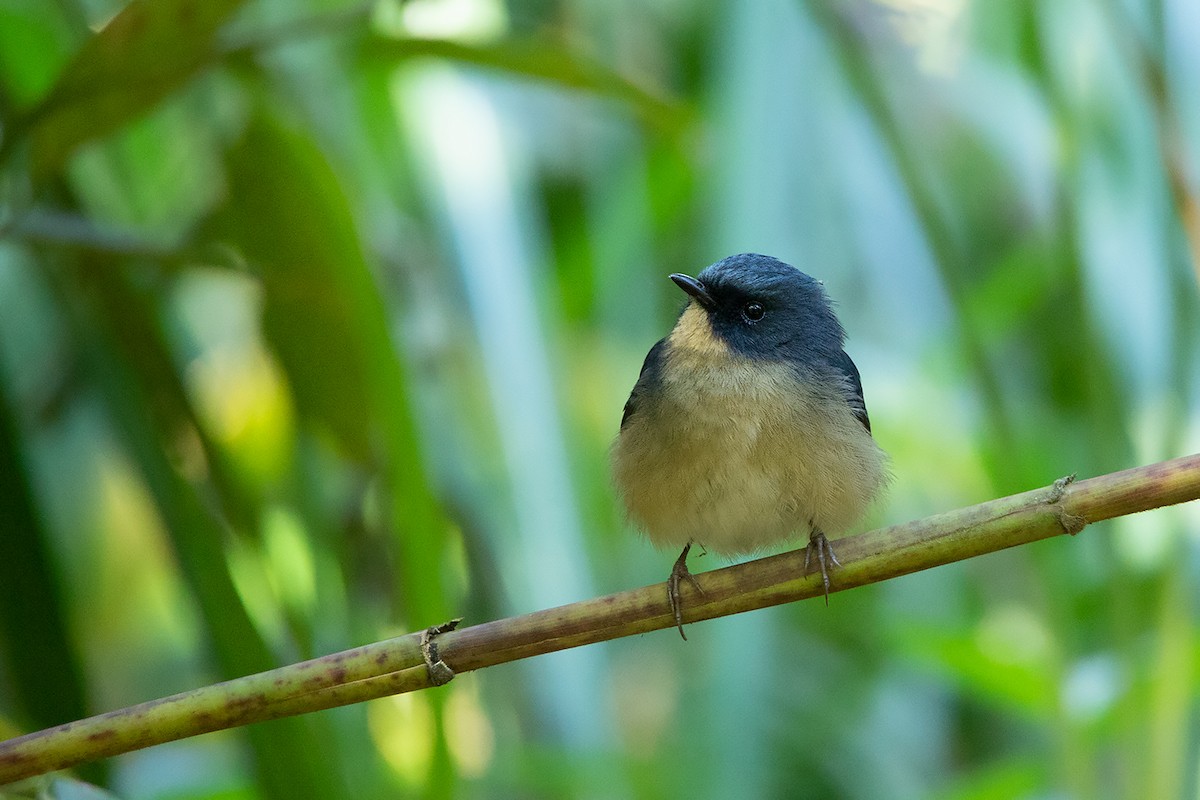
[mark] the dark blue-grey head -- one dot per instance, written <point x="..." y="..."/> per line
<point x="764" y="308"/>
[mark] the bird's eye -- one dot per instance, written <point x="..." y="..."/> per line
<point x="753" y="312"/>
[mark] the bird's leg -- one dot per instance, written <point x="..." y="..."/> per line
<point x="819" y="546"/>
<point x="680" y="573"/>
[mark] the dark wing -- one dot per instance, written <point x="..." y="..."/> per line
<point x="858" y="405"/>
<point x="647" y="378"/>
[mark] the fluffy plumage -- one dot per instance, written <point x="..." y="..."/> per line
<point x="747" y="425"/>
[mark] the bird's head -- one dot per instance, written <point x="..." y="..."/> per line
<point x="759" y="307"/>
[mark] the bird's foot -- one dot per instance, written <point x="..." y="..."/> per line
<point x="819" y="546"/>
<point x="680" y="573"/>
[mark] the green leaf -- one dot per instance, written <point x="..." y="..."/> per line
<point x="32" y="51"/>
<point x="324" y="317"/>
<point x="126" y="355"/>
<point x="288" y="216"/>
<point x="34" y="641"/>
<point x="143" y="54"/>
<point x="533" y="59"/>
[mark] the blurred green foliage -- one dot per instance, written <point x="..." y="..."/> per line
<point x="317" y="318"/>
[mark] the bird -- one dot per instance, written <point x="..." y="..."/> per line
<point x="747" y="425"/>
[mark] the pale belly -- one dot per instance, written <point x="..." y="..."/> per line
<point x="739" y="457"/>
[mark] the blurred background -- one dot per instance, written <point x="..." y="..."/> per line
<point x="317" y="319"/>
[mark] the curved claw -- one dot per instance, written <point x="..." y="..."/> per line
<point x="679" y="573"/>
<point x="817" y="543"/>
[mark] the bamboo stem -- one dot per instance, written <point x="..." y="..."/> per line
<point x="398" y="665"/>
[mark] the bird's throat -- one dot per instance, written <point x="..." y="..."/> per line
<point x="693" y="332"/>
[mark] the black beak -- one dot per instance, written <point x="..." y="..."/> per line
<point x="694" y="288"/>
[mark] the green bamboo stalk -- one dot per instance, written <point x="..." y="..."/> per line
<point x="398" y="665"/>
